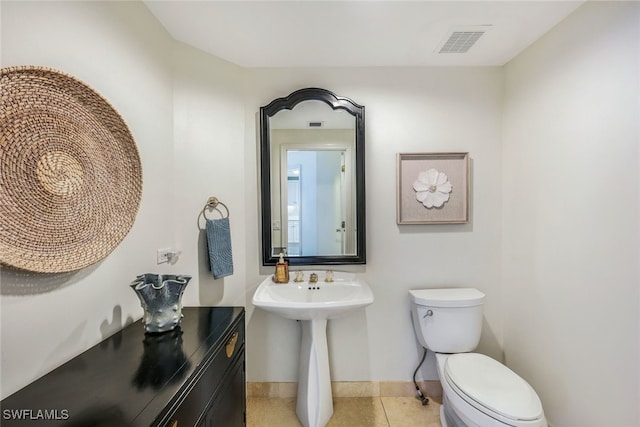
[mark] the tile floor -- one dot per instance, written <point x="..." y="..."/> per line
<point x="347" y="411"/>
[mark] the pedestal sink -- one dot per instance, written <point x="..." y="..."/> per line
<point x="313" y="304"/>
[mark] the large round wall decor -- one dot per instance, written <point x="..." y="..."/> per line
<point x="70" y="173"/>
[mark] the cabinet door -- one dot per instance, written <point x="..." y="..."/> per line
<point x="228" y="406"/>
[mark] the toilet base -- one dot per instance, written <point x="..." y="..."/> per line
<point x="443" y="417"/>
<point x="448" y="417"/>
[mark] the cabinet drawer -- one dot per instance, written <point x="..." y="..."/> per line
<point x="227" y="407"/>
<point x="199" y="397"/>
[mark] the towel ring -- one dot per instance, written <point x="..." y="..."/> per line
<point x="212" y="203"/>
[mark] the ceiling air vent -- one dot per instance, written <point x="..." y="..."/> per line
<point x="460" y="39"/>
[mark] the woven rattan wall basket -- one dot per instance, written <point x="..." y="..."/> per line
<point x="70" y="173"/>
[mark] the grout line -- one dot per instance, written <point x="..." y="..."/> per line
<point x="386" y="416"/>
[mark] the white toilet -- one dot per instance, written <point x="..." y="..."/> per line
<point x="478" y="391"/>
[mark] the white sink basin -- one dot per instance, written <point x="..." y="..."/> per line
<point x="320" y="300"/>
<point x="313" y="304"/>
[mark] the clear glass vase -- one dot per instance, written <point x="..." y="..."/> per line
<point x="161" y="299"/>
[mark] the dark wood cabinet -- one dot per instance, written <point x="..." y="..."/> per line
<point x="191" y="376"/>
<point x="225" y="411"/>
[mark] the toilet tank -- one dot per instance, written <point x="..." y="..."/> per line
<point x="447" y="320"/>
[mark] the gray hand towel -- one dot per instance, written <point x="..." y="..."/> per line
<point x="219" y="247"/>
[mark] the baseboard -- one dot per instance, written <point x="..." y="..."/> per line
<point x="432" y="389"/>
<point x="272" y="389"/>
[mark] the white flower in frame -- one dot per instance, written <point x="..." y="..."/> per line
<point x="432" y="188"/>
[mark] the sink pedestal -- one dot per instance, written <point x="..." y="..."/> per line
<point x="312" y="304"/>
<point x="315" y="401"/>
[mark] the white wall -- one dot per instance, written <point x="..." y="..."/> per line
<point x="193" y="148"/>
<point x="186" y="115"/>
<point x="208" y="157"/>
<point x="118" y="50"/>
<point x="407" y="110"/>
<point x="571" y="217"/>
<point x="558" y="265"/>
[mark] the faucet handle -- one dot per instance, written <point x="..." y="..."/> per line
<point x="299" y="277"/>
<point x="329" y="276"/>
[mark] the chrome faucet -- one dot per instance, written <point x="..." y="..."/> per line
<point x="313" y="278"/>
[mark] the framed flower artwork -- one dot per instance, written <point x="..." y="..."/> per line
<point x="433" y="188"/>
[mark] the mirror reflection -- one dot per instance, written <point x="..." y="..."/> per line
<point x="313" y="179"/>
<point x="163" y="360"/>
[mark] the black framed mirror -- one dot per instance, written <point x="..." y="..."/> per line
<point x="313" y="179"/>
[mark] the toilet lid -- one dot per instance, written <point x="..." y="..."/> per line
<point x="493" y="386"/>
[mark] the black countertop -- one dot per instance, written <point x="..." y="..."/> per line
<point x="125" y="380"/>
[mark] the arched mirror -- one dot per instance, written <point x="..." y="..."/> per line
<point x="312" y="160"/>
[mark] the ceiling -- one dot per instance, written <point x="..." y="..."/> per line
<point x="346" y="33"/>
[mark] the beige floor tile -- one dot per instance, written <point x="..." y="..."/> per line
<point x="358" y="412"/>
<point x="271" y="412"/>
<point x="406" y="411"/>
<point x="347" y="412"/>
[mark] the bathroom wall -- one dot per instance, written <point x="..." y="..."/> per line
<point x="548" y="135"/>
<point x="407" y="110"/>
<point x="571" y="190"/>
<point x="194" y="119"/>
<point x="208" y="157"/>
<point x="188" y="123"/>
<point x="119" y="50"/>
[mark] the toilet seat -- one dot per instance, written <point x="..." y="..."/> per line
<point x="492" y="388"/>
